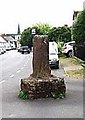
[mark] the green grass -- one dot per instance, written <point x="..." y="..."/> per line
<point x="75" y="73"/>
<point x="69" y="61"/>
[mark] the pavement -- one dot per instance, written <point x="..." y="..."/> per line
<point x="16" y="66"/>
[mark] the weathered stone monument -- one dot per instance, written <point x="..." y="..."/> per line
<point x="41" y="67"/>
<point x="41" y="84"/>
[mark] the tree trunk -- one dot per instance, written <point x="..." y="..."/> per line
<point x="41" y="67"/>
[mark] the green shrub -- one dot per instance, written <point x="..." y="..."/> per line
<point x="23" y="95"/>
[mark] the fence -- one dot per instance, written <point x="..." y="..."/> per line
<point x="79" y="51"/>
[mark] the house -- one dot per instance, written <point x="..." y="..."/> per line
<point x="13" y="39"/>
<point x="11" y="42"/>
<point x="2" y="45"/>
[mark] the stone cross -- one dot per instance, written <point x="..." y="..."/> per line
<point x="41" y="67"/>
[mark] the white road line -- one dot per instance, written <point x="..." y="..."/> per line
<point x="11" y="76"/>
<point x="22" y="68"/>
<point x="2" y="81"/>
<point x="18" y="71"/>
<point x="27" y="61"/>
<point x="24" y="65"/>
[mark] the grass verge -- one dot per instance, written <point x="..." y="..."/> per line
<point x="73" y="67"/>
<point x="75" y="73"/>
<point x="69" y="61"/>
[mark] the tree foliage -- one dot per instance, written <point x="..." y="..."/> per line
<point x="53" y="34"/>
<point x="26" y="37"/>
<point x="78" y="28"/>
<point x="58" y="34"/>
<point x="43" y="28"/>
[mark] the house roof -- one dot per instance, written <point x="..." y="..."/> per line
<point x="11" y="34"/>
<point x="9" y="38"/>
<point x="2" y="40"/>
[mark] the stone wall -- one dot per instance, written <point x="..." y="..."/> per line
<point x="38" y="88"/>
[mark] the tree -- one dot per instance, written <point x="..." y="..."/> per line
<point x="43" y="28"/>
<point x="26" y="37"/>
<point x="53" y="34"/>
<point x="78" y="28"/>
<point x="66" y="34"/>
<point x="57" y="34"/>
<point x="60" y="34"/>
<point x="40" y="28"/>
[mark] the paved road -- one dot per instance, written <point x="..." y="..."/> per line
<point x="16" y="66"/>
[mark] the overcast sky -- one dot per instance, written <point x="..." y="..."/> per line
<point x="29" y="12"/>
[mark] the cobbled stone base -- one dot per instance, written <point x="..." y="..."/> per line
<point x="34" y="88"/>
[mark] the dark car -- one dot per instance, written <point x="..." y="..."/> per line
<point x="24" y="49"/>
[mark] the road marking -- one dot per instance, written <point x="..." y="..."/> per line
<point x="18" y="71"/>
<point x="22" y="68"/>
<point x="2" y="81"/>
<point x="27" y="61"/>
<point x="11" y="115"/>
<point x="11" y="76"/>
<point x="24" y="65"/>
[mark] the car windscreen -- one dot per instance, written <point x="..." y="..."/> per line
<point x="24" y="47"/>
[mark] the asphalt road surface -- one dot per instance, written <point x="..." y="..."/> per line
<point x="15" y="66"/>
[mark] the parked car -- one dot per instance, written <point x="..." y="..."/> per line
<point x="53" y="55"/>
<point x="24" y="49"/>
<point x="68" y="48"/>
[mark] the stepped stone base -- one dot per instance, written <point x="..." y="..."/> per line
<point x="43" y="88"/>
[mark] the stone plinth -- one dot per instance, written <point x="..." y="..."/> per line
<point x="38" y="88"/>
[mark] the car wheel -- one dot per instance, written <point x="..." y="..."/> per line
<point x="22" y="52"/>
<point x="57" y="66"/>
<point x="28" y="52"/>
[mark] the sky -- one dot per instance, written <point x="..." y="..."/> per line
<point x="29" y="12"/>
